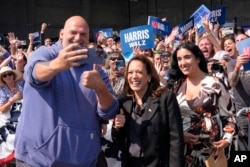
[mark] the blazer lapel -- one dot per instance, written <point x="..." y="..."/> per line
<point x="150" y="110"/>
<point x="128" y="106"/>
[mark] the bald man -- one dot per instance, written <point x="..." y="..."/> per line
<point x="63" y="101"/>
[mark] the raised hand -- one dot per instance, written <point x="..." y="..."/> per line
<point x="43" y="27"/>
<point x="69" y="57"/>
<point x="136" y="50"/>
<point x="206" y="23"/>
<point x="13" y="40"/>
<point x="92" y="79"/>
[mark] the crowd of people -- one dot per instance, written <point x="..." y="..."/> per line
<point x="171" y="105"/>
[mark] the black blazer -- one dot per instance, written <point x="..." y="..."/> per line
<point x="161" y="132"/>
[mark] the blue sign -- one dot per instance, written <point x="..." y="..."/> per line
<point x="187" y="25"/>
<point x="218" y="14"/>
<point x="201" y="12"/>
<point x="159" y="27"/>
<point x="142" y="36"/>
<point x="37" y="39"/>
<point x="243" y="47"/>
<point x="106" y="32"/>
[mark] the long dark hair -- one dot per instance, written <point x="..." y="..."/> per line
<point x="154" y="84"/>
<point x="175" y="73"/>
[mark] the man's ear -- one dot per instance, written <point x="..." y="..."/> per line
<point x="61" y="34"/>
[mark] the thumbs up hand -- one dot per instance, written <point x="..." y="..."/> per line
<point x="92" y="79"/>
<point x="119" y="120"/>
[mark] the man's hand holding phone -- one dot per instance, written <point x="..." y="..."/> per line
<point x="69" y="57"/>
<point x="92" y="57"/>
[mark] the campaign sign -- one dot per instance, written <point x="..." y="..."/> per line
<point x="218" y="14"/>
<point x="187" y="25"/>
<point x="141" y="36"/>
<point x="106" y="32"/>
<point x="201" y="12"/>
<point x="37" y="40"/>
<point x="243" y="47"/>
<point x="159" y="27"/>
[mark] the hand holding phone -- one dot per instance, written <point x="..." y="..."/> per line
<point x="93" y="57"/>
<point x="119" y="64"/>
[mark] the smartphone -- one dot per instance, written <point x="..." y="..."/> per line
<point x="93" y="57"/>
<point x="21" y="42"/>
<point x="36" y="34"/>
<point x="119" y="64"/>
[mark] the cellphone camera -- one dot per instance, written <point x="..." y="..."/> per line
<point x="216" y="67"/>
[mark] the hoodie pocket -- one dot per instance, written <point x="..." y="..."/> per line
<point x="70" y="146"/>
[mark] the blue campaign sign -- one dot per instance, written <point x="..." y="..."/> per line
<point x="185" y="26"/>
<point x="37" y="39"/>
<point x="246" y="28"/>
<point x="243" y="47"/>
<point x="142" y="36"/>
<point x="159" y="27"/>
<point x="218" y="14"/>
<point x="106" y="32"/>
<point x="201" y="12"/>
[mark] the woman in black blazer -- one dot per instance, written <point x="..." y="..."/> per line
<point x="149" y="125"/>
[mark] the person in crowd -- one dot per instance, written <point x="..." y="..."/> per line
<point x="208" y="43"/>
<point x="11" y="94"/>
<point x="19" y="60"/>
<point x="165" y="63"/>
<point x="206" y="47"/>
<point x="116" y="76"/>
<point x="240" y="37"/>
<point x="228" y="43"/>
<point x="47" y="42"/>
<point x="205" y="104"/>
<point x="44" y="41"/>
<point x="211" y="33"/>
<point x="116" y="46"/>
<point x="149" y="126"/>
<point x="239" y="79"/>
<point x="64" y="100"/>
<point x="118" y="43"/>
<point x="115" y="67"/>
<point x="18" y="57"/>
<point x="162" y="66"/>
<point x="101" y="40"/>
<point x="217" y="66"/>
<point x="110" y="41"/>
<point x="157" y="58"/>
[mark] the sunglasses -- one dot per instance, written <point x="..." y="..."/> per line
<point x="165" y="55"/>
<point x="109" y="52"/>
<point x="115" y="58"/>
<point x="7" y="74"/>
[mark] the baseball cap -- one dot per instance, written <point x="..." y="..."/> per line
<point x="221" y="55"/>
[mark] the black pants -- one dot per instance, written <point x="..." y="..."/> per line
<point x="101" y="160"/>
